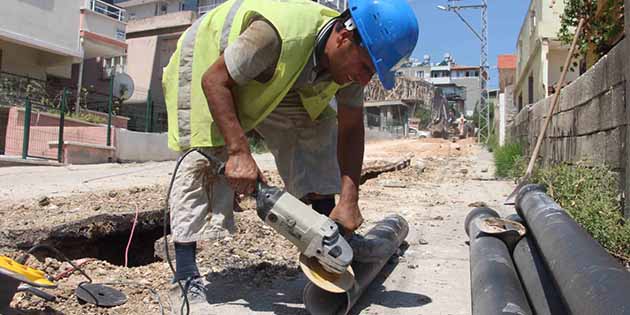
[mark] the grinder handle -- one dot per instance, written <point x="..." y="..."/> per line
<point x="260" y="184"/>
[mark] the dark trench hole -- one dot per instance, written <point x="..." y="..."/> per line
<point x="106" y="237"/>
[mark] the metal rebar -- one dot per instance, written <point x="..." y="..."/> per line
<point x="27" y="128"/>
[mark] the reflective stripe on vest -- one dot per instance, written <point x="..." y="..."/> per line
<point x="185" y="72"/>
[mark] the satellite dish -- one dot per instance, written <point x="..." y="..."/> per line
<point x="123" y="86"/>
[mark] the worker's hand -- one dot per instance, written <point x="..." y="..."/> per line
<point x="241" y="172"/>
<point x="348" y="215"/>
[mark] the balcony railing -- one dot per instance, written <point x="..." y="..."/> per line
<point x="205" y="6"/>
<point x="106" y="9"/>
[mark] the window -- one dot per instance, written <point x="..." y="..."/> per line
<point x="520" y="102"/>
<point x="419" y="74"/>
<point x="532" y="21"/>
<point x="164" y="9"/>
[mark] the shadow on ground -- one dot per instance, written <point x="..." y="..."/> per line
<point x="263" y="287"/>
<point x="277" y="289"/>
<point x="377" y="294"/>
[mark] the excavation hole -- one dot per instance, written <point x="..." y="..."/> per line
<point x="105" y="237"/>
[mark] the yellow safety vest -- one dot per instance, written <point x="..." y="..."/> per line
<point x="190" y="123"/>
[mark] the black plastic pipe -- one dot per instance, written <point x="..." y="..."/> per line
<point x="541" y="291"/>
<point x="385" y="238"/>
<point x="589" y="280"/>
<point x="495" y="285"/>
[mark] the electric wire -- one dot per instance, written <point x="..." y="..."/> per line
<point x="133" y="228"/>
<point x="183" y="288"/>
<point x="23" y="259"/>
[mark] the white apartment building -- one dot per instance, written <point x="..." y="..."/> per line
<point x="457" y="82"/>
<point x="42" y="39"/>
<point x="540" y="55"/>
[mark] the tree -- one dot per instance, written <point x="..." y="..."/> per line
<point x="603" y="26"/>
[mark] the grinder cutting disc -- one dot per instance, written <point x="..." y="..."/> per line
<point x="331" y="282"/>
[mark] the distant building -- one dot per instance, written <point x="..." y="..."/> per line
<point x="339" y="5"/>
<point x="154" y="26"/>
<point x="459" y="84"/>
<point x="507" y="70"/>
<point x="540" y="55"/>
<point x="58" y="34"/>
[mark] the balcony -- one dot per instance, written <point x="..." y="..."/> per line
<point x="207" y="5"/>
<point x="171" y="22"/>
<point x="440" y="80"/>
<point x="103" y="29"/>
<point x="106" y="9"/>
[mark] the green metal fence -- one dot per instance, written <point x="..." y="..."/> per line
<point x="37" y="117"/>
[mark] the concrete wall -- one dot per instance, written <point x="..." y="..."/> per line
<point x="140" y="62"/>
<point x="21" y="60"/>
<point x="102" y="25"/>
<point x="149" y="8"/>
<point x="170" y="20"/>
<point x="45" y="129"/>
<point x="141" y="146"/>
<point x="590" y="120"/>
<point x="626" y="69"/>
<point x="29" y="23"/>
<point x="473" y="92"/>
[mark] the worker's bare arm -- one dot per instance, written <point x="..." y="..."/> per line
<point x="241" y="170"/>
<point x="350" y="148"/>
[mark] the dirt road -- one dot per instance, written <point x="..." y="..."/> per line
<point x="254" y="271"/>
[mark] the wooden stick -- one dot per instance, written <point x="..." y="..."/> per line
<point x="554" y="100"/>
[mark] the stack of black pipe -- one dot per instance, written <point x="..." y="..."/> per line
<point x="556" y="268"/>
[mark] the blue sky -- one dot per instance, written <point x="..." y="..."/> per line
<point x="442" y="31"/>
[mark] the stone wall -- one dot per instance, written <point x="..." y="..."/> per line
<point x="589" y="123"/>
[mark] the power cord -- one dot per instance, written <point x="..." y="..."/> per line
<point x="184" y="288"/>
<point x="22" y="260"/>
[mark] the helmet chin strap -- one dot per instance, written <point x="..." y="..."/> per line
<point x="349" y="24"/>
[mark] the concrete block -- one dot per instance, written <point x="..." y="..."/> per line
<point x="567" y="99"/>
<point x="596" y="78"/>
<point x="563" y="124"/>
<point x="612" y="108"/>
<point x="587" y="118"/>
<point x="83" y="153"/>
<point x="591" y="149"/>
<point x="615" y="143"/>
<point x="133" y="146"/>
<point x="616" y="60"/>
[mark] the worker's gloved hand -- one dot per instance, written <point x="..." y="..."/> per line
<point x="242" y="173"/>
<point x="348" y="215"/>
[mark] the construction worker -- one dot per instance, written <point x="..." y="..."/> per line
<point x="274" y="66"/>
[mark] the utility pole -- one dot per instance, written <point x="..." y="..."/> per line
<point x="484" y="108"/>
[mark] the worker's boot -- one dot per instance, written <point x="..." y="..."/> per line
<point x="195" y="293"/>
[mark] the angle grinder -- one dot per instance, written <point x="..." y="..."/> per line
<point x="325" y="254"/>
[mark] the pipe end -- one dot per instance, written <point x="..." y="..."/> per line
<point x="478" y="213"/>
<point x="526" y="190"/>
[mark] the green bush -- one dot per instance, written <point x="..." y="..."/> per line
<point x="506" y="158"/>
<point x="590" y="196"/>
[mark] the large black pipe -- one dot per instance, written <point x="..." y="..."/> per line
<point x="381" y="242"/>
<point x="495" y="286"/>
<point x="543" y="294"/>
<point x="588" y="278"/>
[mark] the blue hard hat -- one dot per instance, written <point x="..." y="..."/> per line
<point x="389" y="31"/>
